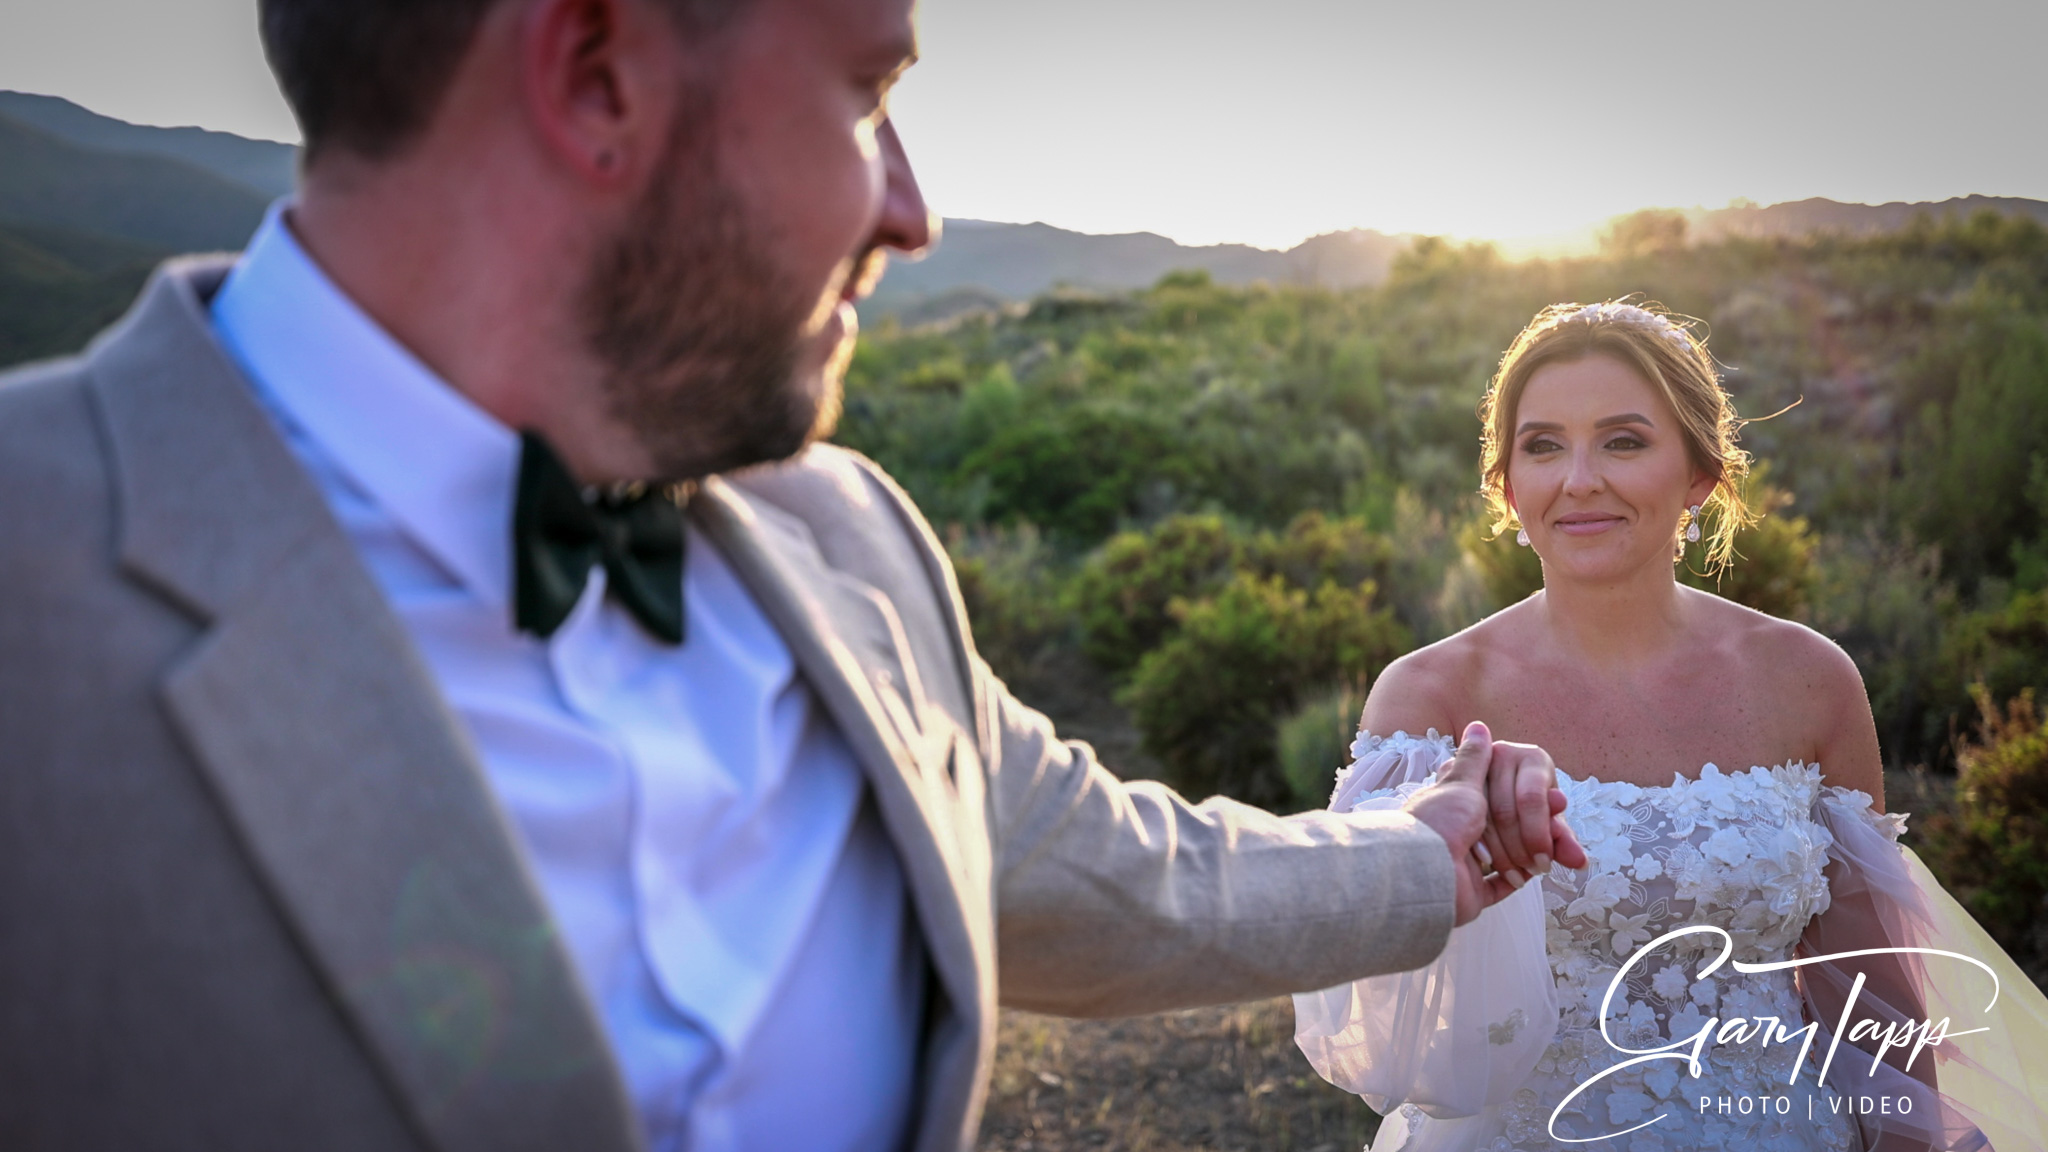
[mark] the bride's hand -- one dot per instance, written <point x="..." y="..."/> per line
<point x="1515" y="786"/>
<point x="1528" y="832"/>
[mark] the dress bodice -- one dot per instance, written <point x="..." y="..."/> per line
<point x="1743" y="851"/>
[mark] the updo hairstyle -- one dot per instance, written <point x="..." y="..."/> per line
<point x="1667" y="354"/>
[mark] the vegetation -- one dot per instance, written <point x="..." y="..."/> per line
<point x="1232" y="505"/>
<point x="1207" y="698"/>
<point x="1987" y="848"/>
<point x="1315" y="742"/>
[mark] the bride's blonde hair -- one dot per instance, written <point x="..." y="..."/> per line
<point x="1667" y="353"/>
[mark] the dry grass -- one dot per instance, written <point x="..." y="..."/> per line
<point x="1210" y="1079"/>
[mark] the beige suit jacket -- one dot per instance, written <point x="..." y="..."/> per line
<point x="256" y="893"/>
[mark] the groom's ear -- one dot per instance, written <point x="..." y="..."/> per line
<point x="598" y="79"/>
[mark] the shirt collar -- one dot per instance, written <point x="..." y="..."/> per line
<point x="444" y="469"/>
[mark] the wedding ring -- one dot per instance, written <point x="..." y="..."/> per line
<point x="1484" y="857"/>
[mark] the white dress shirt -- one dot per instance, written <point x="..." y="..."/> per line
<point x="702" y="833"/>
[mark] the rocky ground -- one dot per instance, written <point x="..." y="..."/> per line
<point x="1213" y="1079"/>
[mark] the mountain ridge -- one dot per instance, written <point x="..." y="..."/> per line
<point x="1817" y="214"/>
<point x="977" y="261"/>
<point x="268" y="167"/>
<point x="73" y="172"/>
<point x="149" y="199"/>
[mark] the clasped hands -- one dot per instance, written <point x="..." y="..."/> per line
<point x="1498" y="807"/>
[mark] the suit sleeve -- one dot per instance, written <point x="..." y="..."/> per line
<point x="1120" y="897"/>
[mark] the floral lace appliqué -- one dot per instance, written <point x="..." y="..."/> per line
<point x="1740" y="850"/>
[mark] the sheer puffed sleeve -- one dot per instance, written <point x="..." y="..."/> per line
<point x="1984" y="1090"/>
<point x="1458" y="1037"/>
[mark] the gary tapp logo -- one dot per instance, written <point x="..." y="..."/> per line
<point x="1769" y="1030"/>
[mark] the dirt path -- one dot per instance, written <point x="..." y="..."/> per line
<point x="1213" y="1079"/>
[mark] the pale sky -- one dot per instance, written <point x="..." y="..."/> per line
<point x="1273" y="120"/>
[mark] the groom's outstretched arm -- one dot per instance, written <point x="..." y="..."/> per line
<point x="1119" y="897"/>
<point x="1114" y="897"/>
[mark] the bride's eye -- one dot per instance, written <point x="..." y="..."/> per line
<point x="1539" y="445"/>
<point x="1624" y="443"/>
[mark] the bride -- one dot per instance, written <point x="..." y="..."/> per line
<point x="1723" y="775"/>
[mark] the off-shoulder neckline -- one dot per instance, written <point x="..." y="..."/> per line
<point x="1679" y="778"/>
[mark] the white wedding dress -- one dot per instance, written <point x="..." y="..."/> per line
<point x="1478" y="1051"/>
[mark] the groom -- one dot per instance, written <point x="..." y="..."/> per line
<point x="366" y="783"/>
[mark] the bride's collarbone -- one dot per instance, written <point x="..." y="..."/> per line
<point x="1651" y="750"/>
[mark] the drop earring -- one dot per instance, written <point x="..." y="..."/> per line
<point x="1522" y="537"/>
<point x="1692" y="525"/>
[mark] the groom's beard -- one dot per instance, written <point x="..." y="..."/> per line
<point x="700" y="334"/>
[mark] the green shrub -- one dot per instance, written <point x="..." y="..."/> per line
<point x="1122" y="596"/>
<point x="1079" y="471"/>
<point x="1886" y="604"/>
<point x="1315" y="741"/>
<point x="1991" y="848"/>
<point x="1010" y="584"/>
<point x="2004" y="649"/>
<point x="1206" y="700"/>
<point x="1123" y="593"/>
<point x="1317" y="549"/>
<point x="1982" y="425"/>
<point x="1773" y="567"/>
<point x="1509" y="572"/>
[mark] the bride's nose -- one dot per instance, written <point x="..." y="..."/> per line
<point x="1584" y="478"/>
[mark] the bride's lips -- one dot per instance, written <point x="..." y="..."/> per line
<point x="1586" y="523"/>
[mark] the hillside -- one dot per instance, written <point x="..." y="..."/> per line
<point x="153" y="200"/>
<point x="981" y="266"/>
<point x="1810" y="217"/>
<point x="65" y="168"/>
<point x="979" y="262"/>
<point x="58" y="287"/>
<point x="265" y="166"/>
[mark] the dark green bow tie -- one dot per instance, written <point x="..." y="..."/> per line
<point x="557" y="535"/>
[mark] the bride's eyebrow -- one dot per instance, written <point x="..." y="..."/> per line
<point x="1603" y="422"/>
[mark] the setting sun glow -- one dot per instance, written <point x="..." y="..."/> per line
<point x="1214" y="122"/>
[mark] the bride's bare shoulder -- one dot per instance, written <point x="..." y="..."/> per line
<point x="1788" y="661"/>
<point x="1432" y="686"/>
<point x="1774" y="647"/>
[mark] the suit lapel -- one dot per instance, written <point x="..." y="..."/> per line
<point x="849" y="644"/>
<point x="326" y="742"/>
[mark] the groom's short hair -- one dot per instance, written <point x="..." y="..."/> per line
<point x="366" y="75"/>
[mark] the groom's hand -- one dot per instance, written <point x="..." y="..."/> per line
<point x="1497" y="806"/>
